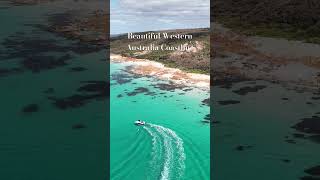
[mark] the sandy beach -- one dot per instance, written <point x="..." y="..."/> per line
<point x="269" y="59"/>
<point x="151" y="68"/>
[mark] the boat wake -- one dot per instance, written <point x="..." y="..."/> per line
<point x="168" y="154"/>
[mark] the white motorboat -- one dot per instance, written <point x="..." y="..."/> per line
<point x="139" y="123"/>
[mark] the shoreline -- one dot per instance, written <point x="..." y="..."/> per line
<point x="240" y="57"/>
<point x="148" y="67"/>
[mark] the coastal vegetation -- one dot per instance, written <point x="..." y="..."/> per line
<point x="267" y="40"/>
<point x="92" y="28"/>
<point x="291" y="19"/>
<point x="196" y="59"/>
<point x="28" y="2"/>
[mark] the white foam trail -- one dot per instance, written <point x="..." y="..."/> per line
<point x="181" y="155"/>
<point x="169" y="138"/>
<point x="155" y="144"/>
<point x="168" y="153"/>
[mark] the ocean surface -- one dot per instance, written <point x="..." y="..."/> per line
<point x="52" y="98"/>
<point x="175" y="142"/>
<point x="255" y="136"/>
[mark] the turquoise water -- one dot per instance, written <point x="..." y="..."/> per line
<point x="174" y="144"/>
<point x="261" y="123"/>
<point x="40" y="140"/>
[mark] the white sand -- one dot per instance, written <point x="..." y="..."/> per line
<point x="156" y="69"/>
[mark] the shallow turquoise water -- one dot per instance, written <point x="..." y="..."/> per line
<point x="173" y="145"/>
<point x="46" y="143"/>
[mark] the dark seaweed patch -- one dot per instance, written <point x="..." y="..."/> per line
<point x="228" y="102"/>
<point x="38" y="63"/>
<point x="70" y="102"/>
<point x="100" y="88"/>
<point x="226" y="81"/>
<point x="187" y="89"/>
<point x="309" y="125"/>
<point x="285" y="99"/>
<point x="309" y="178"/>
<point x="315" y="138"/>
<point x="314" y="171"/>
<point x="315" y="98"/>
<point x="79" y="126"/>
<point x="33" y="50"/>
<point x="119" y="96"/>
<point x="207" y="119"/>
<point x="30" y="108"/>
<point x="206" y="102"/>
<point x="286" y="160"/>
<point x="168" y="86"/>
<point x="245" y="90"/>
<point x="121" y="78"/>
<point x="141" y="90"/>
<point x="242" y="147"/>
<point x="21" y="45"/>
<point x="92" y="90"/>
<point x="298" y="135"/>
